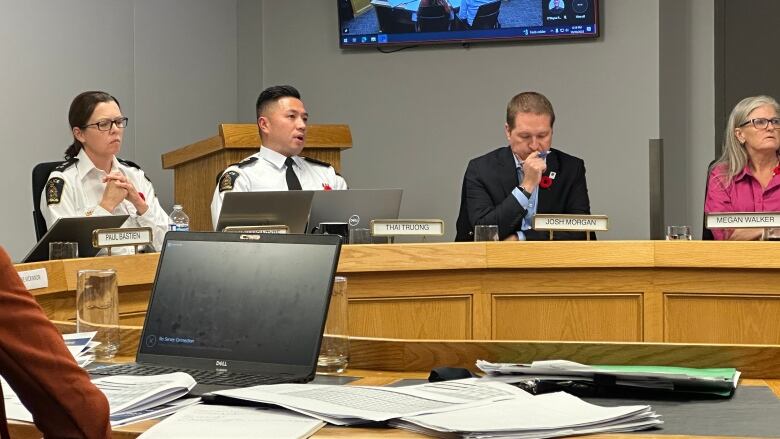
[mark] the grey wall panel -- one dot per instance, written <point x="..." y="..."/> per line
<point x="185" y="78"/>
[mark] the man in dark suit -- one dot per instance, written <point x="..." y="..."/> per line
<point x="511" y="184"/>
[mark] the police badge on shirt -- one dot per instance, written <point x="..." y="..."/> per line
<point x="54" y="189"/>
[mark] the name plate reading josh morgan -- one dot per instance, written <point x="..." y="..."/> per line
<point x="574" y="223"/>
<point x="399" y="227"/>
<point x="102" y="238"/>
<point x="280" y="229"/>
<point x="743" y="220"/>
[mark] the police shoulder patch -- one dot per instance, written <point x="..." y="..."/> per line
<point x="228" y="181"/>
<point x="54" y="188"/>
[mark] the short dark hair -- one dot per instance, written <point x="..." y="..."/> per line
<point x="528" y="102"/>
<point x="273" y="94"/>
<point x="81" y="110"/>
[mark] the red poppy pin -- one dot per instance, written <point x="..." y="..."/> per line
<point x="326" y="187"/>
<point x="776" y="170"/>
<point x="545" y="182"/>
<point x="141" y="194"/>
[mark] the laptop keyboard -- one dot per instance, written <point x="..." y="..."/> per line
<point x="201" y="376"/>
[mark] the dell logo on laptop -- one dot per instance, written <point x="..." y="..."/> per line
<point x="221" y="363"/>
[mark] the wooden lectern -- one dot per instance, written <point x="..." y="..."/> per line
<point x="196" y="167"/>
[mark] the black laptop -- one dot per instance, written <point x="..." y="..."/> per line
<point x="290" y="208"/>
<point x="236" y="310"/>
<point x="74" y="229"/>
<point x="356" y="207"/>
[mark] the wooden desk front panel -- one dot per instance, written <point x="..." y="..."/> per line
<point x="413" y="305"/>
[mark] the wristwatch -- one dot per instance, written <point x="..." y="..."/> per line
<point x="524" y="192"/>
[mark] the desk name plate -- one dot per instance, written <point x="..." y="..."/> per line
<point x="276" y="229"/>
<point x="107" y="238"/>
<point x="573" y="223"/>
<point x="402" y="227"/>
<point x="743" y="220"/>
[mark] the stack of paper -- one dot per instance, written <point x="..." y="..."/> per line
<point x="350" y="405"/>
<point x="81" y="346"/>
<point x="541" y="416"/>
<point x="210" y="421"/>
<point x="130" y="398"/>
<point x="720" y="381"/>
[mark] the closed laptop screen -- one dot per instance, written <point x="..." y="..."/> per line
<point x="246" y="301"/>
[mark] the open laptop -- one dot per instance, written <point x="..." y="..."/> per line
<point x="357" y="207"/>
<point x="74" y="229"/>
<point x="236" y="310"/>
<point x="290" y="208"/>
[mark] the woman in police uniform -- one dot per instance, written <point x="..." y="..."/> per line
<point x="92" y="180"/>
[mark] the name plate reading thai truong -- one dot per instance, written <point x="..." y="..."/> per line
<point x="102" y="238"/>
<point x="280" y="229"/>
<point x="573" y="223"/>
<point x="399" y="227"/>
<point x="743" y="220"/>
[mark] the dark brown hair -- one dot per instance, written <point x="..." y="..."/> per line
<point x="81" y="110"/>
<point x="528" y="102"/>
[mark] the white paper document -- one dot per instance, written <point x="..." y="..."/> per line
<point x="347" y="405"/>
<point x="549" y="415"/>
<point x="14" y="409"/>
<point x="81" y="346"/>
<point x="141" y="393"/>
<point x="213" y="421"/>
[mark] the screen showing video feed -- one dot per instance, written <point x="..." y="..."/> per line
<point x="367" y="23"/>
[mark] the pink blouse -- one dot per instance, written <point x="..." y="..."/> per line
<point x="744" y="194"/>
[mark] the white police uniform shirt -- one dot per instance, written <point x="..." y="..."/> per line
<point x="78" y="189"/>
<point x="266" y="171"/>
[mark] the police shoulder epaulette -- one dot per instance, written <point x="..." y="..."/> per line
<point x="317" y="162"/>
<point x="133" y="165"/>
<point x="245" y="162"/>
<point x="66" y="164"/>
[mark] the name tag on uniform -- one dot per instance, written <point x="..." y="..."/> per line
<point x="573" y="223"/>
<point x="400" y="227"/>
<point x="102" y="238"/>
<point x="34" y="279"/>
<point x="742" y="220"/>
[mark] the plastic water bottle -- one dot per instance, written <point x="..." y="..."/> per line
<point x="178" y="221"/>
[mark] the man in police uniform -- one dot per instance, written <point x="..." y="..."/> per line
<point x="281" y="119"/>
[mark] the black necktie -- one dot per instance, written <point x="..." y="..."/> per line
<point x="293" y="183"/>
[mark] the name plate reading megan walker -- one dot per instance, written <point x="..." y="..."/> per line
<point x="574" y="223"/>
<point x="399" y="227"/>
<point x="102" y="238"/>
<point x="743" y="220"/>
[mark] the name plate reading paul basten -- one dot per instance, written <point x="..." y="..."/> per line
<point x="571" y="223"/>
<point x="391" y="227"/>
<point x="743" y="220"/>
<point x="102" y="238"/>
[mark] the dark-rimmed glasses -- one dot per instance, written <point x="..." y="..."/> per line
<point x="761" y="123"/>
<point x="105" y="125"/>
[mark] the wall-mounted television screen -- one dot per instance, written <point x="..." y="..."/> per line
<point x="375" y="23"/>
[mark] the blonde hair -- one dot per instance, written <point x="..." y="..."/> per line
<point x="734" y="157"/>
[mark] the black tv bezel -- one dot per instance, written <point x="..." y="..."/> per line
<point x="467" y="41"/>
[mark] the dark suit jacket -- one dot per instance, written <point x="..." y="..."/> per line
<point x="38" y="366"/>
<point x="486" y="196"/>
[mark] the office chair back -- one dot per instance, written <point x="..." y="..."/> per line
<point x="706" y="234"/>
<point x="487" y="16"/>
<point x="433" y="19"/>
<point x="394" y="20"/>
<point x="40" y="174"/>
